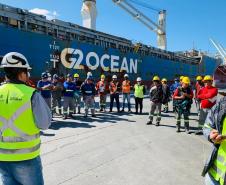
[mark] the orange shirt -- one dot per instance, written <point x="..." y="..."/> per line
<point x="126" y="86"/>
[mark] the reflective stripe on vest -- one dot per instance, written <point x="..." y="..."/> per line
<point x="218" y="169"/>
<point x="139" y="91"/>
<point x="126" y="86"/>
<point x="19" y="136"/>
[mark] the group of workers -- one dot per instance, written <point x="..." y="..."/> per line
<point x="24" y="112"/>
<point x="181" y="93"/>
<point x="73" y="91"/>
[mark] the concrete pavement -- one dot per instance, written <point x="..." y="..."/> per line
<point x="120" y="149"/>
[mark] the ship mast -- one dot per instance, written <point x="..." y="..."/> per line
<point x="89" y="14"/>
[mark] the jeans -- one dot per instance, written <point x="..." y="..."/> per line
<point x="126" y="96"/>
<point x="210" y="180"/>
<point x="116" y="98"/>
<point x="22" y="172"/>
<point x="139" y="101"/>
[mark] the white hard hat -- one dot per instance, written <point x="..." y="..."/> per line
<point x="14" y="60"/>
<point x="126" y="75"/>
<point x="114" y="77"/>
<point x="49" y="75"/>
<point x="139" y="79"/>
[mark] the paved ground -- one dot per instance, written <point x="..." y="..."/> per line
<point x="120" y="149"/>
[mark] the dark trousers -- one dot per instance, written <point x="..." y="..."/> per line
<point x="138" y="101"/>
<point x="116" y="98"/>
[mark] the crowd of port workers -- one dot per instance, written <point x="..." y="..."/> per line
<point x="26" y="108"/>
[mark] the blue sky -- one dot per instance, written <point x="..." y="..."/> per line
<point x="189" y="22"/>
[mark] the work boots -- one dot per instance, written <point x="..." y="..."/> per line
<point x="178" y="127"/>
<point x="187" y="128"/>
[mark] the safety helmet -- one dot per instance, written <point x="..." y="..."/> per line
<point x="76" y="75"/>
<point x="114" y="77"/>
<point x="89" y="74"/>
<point x="102" y="76"/>
<point x="69" y="76"/>
<point x="49" y="75"/>
<point x="44" y="75"/>
<point x="89" y="77"/>
<point x="181" y="78"/>
<point x="198" y="78"/>
<point x="139" y="79"/>
<point x="126" y="76"/>
<point x="164" y="80"/>
<point x="156" y="78"/>
<point x="208" y="78"/>
<point x="55" y="76"/>
<point x="14" y="60"/>
<point x="186" y="80"/>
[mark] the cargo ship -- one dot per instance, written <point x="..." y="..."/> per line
<point x="63" y="47"/>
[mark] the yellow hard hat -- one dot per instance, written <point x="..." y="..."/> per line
<point x="156" y="78"/>
<point x="198" y="78"/>
<point x="208" y="78"/>
<point x="186" y="80"/>
<point x="164" y="80"/>
<point x="102" y="76"/>
<point x="76" y="75"/>
<point x="181" y="77"/>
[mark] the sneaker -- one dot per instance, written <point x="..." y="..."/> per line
<point x="101" y="110"/>
<point x="94" y="116"/>
<point x="122" y="110"/>
<point x="129" y="111"/>
<point x="64" y="117"/>
<point x="157" y="124"/>
<point x="149" y="122"/>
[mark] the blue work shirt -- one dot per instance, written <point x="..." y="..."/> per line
<point x="174" y="86"/>
<point x="88" y="89"/>
<point x="69" y="89"/>
<point x="44" y="93"/>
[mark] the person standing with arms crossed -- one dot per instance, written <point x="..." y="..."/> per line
<point x="23" y="112"/>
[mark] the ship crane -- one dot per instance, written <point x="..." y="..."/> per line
<point x="159" y="28"/>
<point x="221" y="50"/>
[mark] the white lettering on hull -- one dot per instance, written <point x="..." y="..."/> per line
<point x="72" y="58"/>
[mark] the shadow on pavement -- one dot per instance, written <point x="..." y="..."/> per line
<point x="72" y="124"/>
<point x="42" y="133"/>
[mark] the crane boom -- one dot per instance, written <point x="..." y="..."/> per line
<point x="159" y="28"/>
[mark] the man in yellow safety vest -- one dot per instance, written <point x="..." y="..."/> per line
<point x="23" y="112"/>
<point x="215" y="131"/>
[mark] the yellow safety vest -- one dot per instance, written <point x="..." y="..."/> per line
<point x="218" y="169"/>
<point x="19" y="136"/>
<point x="139" y="91"/>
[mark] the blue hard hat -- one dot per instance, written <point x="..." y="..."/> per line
<point x="69" y="75"/>
<point x="44" y="75"/>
